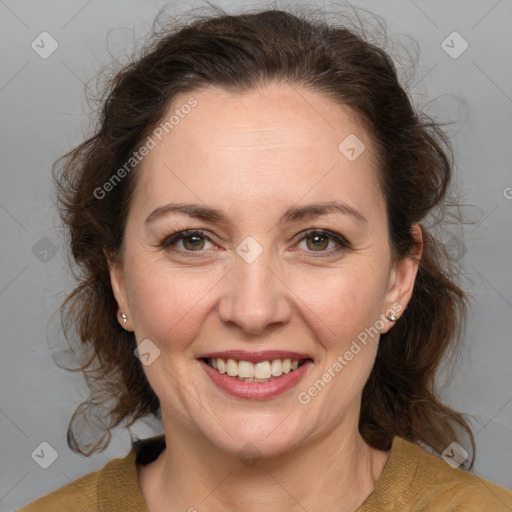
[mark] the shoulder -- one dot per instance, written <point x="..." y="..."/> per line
<point x="113" y="487"/>
<point x="453" y="487"/>
<point x="80" y="496"/>
<point x="416" y="480"/>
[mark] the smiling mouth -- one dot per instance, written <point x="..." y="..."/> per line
<point x="263" y="371"/>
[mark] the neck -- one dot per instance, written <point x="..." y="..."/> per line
<point x="335" y="472"/>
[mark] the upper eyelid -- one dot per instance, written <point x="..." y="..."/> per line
<point x="184" y="233"/>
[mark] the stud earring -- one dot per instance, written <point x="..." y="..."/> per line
<point x="124" y="317"/>
<point x="392" y="318"/>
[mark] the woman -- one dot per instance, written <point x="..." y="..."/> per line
<point x="250" y="221"/>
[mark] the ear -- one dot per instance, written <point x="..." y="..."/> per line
<point x="118" y="283"/>
<point x="401" y="282"/>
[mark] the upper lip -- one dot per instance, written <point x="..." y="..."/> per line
<point x="256" y="357"/>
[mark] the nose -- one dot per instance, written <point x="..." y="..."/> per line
<point x="255" y="298"/>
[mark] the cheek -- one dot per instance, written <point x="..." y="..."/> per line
<point x="342" y="311"/>
<point x="172" y="304"/>
<point x="165" y="303"/>
<point x="342" y="302"/>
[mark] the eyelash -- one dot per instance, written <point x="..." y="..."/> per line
<point x="342" y="242"/>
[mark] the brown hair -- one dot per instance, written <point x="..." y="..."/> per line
<point x="239" y="53"/>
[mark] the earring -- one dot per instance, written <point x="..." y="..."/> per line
<point x="124" y="317"/>
<point x="392" y="318"/>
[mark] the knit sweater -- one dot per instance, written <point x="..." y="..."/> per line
<point x="412" y="480"/>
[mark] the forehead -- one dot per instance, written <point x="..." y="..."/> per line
<point x="271" y="146"/>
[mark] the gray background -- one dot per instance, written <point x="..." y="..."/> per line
<point x="43" y="114"/>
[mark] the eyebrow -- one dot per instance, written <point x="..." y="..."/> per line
<point x="292" y="214"/>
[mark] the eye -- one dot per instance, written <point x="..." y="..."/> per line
<point x="193" y="240"/>
<point x="320" y="239"/>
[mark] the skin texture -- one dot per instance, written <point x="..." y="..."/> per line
<point x="253" y="156"/>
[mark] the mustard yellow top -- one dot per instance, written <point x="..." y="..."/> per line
<point x="412" y="480"/>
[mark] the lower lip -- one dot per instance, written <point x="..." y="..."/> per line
<point x="256" y="390"/>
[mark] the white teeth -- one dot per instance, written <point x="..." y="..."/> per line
<point x="245" y="370"/>
<point x="221" y="364"/>
<point x="232" y="368"/>
<point x="261" y="370"/>
<point x="276" y="368"/>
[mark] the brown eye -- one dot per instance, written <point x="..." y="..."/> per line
<point x="193" y="242"/>
<point x="318" y="242"/>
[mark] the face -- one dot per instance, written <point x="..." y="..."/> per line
<point x="251" y="277"/>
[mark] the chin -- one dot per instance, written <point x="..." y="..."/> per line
<point x="255" y="438"/>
